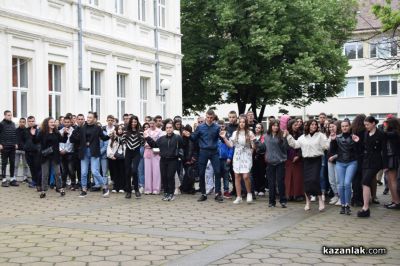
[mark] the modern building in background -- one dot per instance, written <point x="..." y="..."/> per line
<point x="129" y="48"/>
<point x="372" y="86"/>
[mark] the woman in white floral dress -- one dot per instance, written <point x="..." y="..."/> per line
<point x="243" y="141"/>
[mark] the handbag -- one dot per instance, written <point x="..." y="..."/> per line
<point x="47" y="152"/>
<point x="119" y="155"/>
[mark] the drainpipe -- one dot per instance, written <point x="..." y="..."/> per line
<point x="155" y="4"/>
<point x="80" y="69"/>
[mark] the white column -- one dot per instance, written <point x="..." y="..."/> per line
<point x="6" y="69"/>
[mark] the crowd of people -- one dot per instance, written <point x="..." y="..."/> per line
<point x="291" y="160"/>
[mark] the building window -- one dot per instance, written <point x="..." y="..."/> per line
<point x="383" y="85"/>
<point x="121" y="96"/>
<point x="143" y="96"/>
<point x="384" y="48"/>
<point x="382" y="117"/>
<point x="354" y="87"/>
<point x="162" y="13"/>
<point x="142" y="10"/>
<point x="95" y="91"/>
<point x="353" y="50"/>
<point x="20" y="87"/>
<point x="94" y="2"/>
<point x="347" y="116"/>
<point x="119" y="7"/>
<point x="54" y="76"/>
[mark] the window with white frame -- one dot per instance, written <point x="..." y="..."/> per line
<point x="54" y="77"/>
<point x="353" y="50"/>
<point x="20" y="87"/>
<point x="119" y="7"/>
<point x="162" y="13"/>
<point x="121" y="95"/>
<point x="383" y="85"/>
<point x="347" y="116"/>
<point x="143" y="96"/>
<point x="95" y="91"/>
<point x="94" y="2"/>
<point x="142" y="10"/>
<point x="384" y="48"/>
<point x="354" y="87"/>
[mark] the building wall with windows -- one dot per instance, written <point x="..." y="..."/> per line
<point x="39" y="57"/>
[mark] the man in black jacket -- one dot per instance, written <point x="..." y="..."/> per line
<point x="8" y="145"/>
<point x="88" y="136"/>
<point x="20" y="153"/>
<point x="32" y="154"/>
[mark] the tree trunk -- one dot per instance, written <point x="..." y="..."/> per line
<point x="261" y="114"/>
<point x="241" y="107"/>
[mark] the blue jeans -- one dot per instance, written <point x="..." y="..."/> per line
<point x="345" y="173"/>
<point x="104" y="169"/>
<point x="141" y="168"/>
<point x="95" y="169"/>
<point x="213" y="156"/>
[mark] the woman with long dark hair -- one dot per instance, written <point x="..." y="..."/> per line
<point x="133" y="140"/>
<point x="312" y="144"/>
<point x="276" y="155"/>
<point x="375" y="159"/>
<point x="358" y="129"/>
<point x="294" y="166"/>
<point x="259" y="166"/>
<point x="49" y="139"/>
<point x="391" y="129"/>
<point x="333" y="130"/>
<point x="243" y="141"/>
<point x="116" y="154"/>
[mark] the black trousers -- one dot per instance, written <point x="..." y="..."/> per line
<point x="77" y="163"/>
<point x="357" y="185"/>
<point x="7" y="157"/>
<point x="259" y="174"/>
<point x="67" y="168"/>
<point x="168" y="169"/>
<point x="34" y="163"/>
<point x="276" y="174"/>
<point x="117" y="173"/>
<point x="132" y="160"/>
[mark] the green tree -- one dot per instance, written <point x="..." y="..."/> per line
<point x="263" y="52"/>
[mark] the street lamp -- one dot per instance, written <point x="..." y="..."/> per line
<point x="165" y="85"/>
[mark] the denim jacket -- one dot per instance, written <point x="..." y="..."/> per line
<point x="207" y="136"/>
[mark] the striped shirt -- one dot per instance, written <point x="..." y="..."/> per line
<point x="133" y="141"/>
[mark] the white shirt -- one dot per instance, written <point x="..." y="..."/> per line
<point x="311" y="146"/>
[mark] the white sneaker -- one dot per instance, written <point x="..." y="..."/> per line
<point x="106" y="193"/>
<point x="146" y="192"/>
<point x="338" y="203"/>
<point x="237" y="200"/>
<point x="313" y="198"/>
<point x="249" y="198"/>
<point x="113" y="191"/>
<point x="121" y="191"/>
<point x="334" y="200"/>
<point x="177" y="191"/>
<point x="156" y="193"/>
<point x="141" y="189"/>
<point x="261" y="194"/>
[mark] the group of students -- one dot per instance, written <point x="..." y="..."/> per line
<point x="291" y="160"/>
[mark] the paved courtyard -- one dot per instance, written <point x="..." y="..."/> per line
<point x="117" y="231"/>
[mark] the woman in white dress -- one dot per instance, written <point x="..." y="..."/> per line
<point x="243" y="141"/>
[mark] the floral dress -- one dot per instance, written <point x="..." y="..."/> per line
<point x="243" y="156"/>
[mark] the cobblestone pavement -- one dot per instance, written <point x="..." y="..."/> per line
<point x="148" y="231"/>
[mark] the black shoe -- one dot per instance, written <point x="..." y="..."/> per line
<point x="94" y="189"/>
<point x="83" y="194"/>
<point x="380" y="183"/>
<point x="348" y="211"/>
<point x="385" y="191"/>
<point x="271" y="205"/>
<point x="387" y="204"/>
<point x="283" y="205"/>
<point x="219" y="198"/>
<point x="171" y="197"/>
<point x="5" y="184"/>
<point x="394" y="206"/>
<point x="42" y="195"/>
<point x="62" y="192"/>
<point x="14" y="183"/>
<point x="128" y="195"/>
<point x="342" y="210"/>
<point x="166" y="196"/>
<point x="137" y="194"/>
<point x="202" y="198"/>
<point x="363" y="213"/>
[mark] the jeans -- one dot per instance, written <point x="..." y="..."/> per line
<point x="46" y="173"/>
<point x="224" y="169"/>
<point x="333" y="179"/>
<point x="276" y="174"/>
<point x="104" y="169"/>
<point x="213" y="156"/>
<point x="141" y="168"/>
<point x="20" y="157"/>
<point x="168" y="169"/>
<point x="345" y="173"/>
<point x="94" y="167"/>
<point x="7" y="156"/>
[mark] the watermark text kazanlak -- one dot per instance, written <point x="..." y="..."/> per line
<point x="353" y="250"/>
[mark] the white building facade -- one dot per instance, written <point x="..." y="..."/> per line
<point x="39" y="57"/>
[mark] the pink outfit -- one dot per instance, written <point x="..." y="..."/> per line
<point x="284" y="120"/>
<point x="152" y="175"/>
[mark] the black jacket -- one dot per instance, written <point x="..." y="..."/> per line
<point x="50" y="140"/>
<point x="168" y="145"/>
<point x="190" y="150"/>
<point x="8" y="134"/>
<point x="29" y="146"/>
<point x="375" y="151"/>
<point x="79" y="137"/>
<point x="392" y="143"/>
<point x="345" y="148"/>
<point x="230" y="128"/>
<point x="20" y="138"/>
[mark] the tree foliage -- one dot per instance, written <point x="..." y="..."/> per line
<point x="264" y="52"/>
